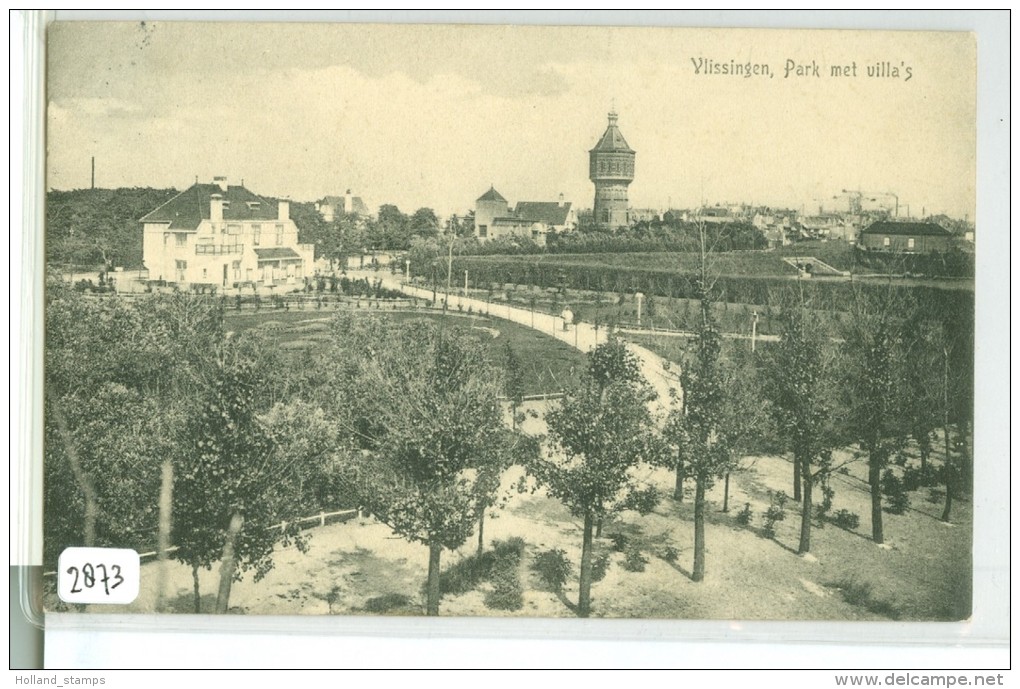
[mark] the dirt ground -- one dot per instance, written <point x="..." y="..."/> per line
<point x="922" y="573"/>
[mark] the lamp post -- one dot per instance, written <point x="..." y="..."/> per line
<point x="407" y="270"/>
<point x="639" y="296"/>
<point x="754" y="329"/>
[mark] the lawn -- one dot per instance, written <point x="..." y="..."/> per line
<point x="549" y="365"/>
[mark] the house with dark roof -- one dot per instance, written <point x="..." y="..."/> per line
<point x="494" y="218"/>
<point x="906" y="237"/>
<point x="225" y="236"/>
<point x="331" y="207"/>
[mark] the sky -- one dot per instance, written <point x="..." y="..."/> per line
<point x="431" y="115"/>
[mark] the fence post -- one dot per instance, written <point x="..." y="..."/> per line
<point x="322" y="519"/>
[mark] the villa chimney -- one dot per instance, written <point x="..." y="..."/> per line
<point x="348" y="202"/>
<point x="221" y="181"/>
<point x="283" y="206"/>
<point x="561" y="200"/>
<point x="216" y="208"/>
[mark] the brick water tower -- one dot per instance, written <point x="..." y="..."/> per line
<point x="611" y="169"/>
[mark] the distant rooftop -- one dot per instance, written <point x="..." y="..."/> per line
<point x="492" y="195"/>
<point x="917" y="229"/>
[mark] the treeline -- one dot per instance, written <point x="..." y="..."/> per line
<point x="97" y="227"/>
<point x="346" y="235"/>
<point x="643" y="237"/>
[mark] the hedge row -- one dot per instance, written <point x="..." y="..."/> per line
<point x="834" y="295"/>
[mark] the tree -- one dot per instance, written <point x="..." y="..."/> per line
<point x="307" y="441"/>
<point x="513" y="380"/>
<point x="230" y="486"/>
<point x="424" y="223"/>
<point x="598" y="436"/>
<point x="923" y="376"/>
<point x="391" y="229"/>
<point x="422" y="422"/>
<point x="121" y="378"/>
<point x="797" y="377"/>
<point x="871" y="387"/>
<point x="696" y="426"/>
<point x="513" y="447"/>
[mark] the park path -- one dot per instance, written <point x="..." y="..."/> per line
<point x="660" y="374"/>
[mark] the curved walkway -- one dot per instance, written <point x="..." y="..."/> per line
<point x="660" y="374"/>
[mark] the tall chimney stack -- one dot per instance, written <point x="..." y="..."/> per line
<point x="216" y="208"/>
<point x="222" y="182"/>
<point x="283" y="208"/>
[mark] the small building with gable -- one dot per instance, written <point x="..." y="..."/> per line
<point x="495" y="219"/>
<point x="906" y="237"/>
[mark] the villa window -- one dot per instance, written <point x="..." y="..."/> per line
<point x="910" y="243"/>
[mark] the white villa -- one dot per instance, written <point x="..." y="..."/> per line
<point x="224" y="236"/>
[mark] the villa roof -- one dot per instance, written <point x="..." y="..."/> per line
<point x="187" y="210"/>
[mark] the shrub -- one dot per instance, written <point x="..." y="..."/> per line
<point x="892" y="487"/>
<point x="507" y="592"/>
<point x="936" y="495"/>
<point x="822" y="510"/>
<point x="388" y="603"/>
<point x="510" y="549"/>
<point x="634" y="561"/>
<point x="599" y="567"/>
<point x="845" y="519"/>
<point x="642" y="501"/>
<point x="467" y="574"/>
<point x="670" y="554"/>
<point x="553" y="568"/>
<point x="920" y="477"/>
<point x="619" y="541"/>
<point x="775" y="513"/>
<point x="859" y="593"/>
<point x="745" y="515"/>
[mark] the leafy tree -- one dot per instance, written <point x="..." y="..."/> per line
<point x="697" y="425"/>
<point x="424" y="223"/>
<point x="231" y="485"/>
<point x="599" y="435"/>
<point x="872" y="387"/>
<point x="120" y="381"/>
<point x="424" y="423"/>
<point x="797" y="387"/>
<point x="923" y="376"/>
<point x="306" y="442"/>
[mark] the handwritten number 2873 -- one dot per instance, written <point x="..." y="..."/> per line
<point x="87" y="576"/>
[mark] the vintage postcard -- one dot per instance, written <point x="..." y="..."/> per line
<point x="416" y="320"/>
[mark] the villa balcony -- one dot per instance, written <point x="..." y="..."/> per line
<point x="218" y="250"/>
